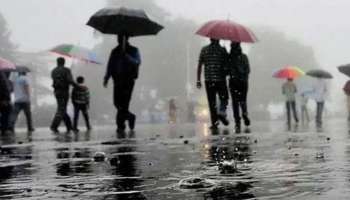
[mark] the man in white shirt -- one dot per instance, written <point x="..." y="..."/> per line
<point x="319" y="93"/>
<point x="21" y="88"/>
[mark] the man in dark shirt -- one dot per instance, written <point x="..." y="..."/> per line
<point x="123" y="67"/>
<point x="62" y="80"/>
<point x="5" y="103"/>
<point x="238" y="70"/>
<point x="214" y="58"/>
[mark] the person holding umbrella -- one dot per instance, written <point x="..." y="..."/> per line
<point x="124" y="61"/>
<point x="319" y="91"/>
<point x="5" y="103"/>
<point x="346" y="90"/>
<point x="62" y="80"/>
<point x="21" y="88"/>
<point x="214" y="59"/>
<point x="238" y="70"/>
<point x="289" y="89"/>
<point x="238" y="66"/>
<point x="123" y="67"/>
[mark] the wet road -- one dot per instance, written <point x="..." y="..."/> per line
<point x="154" y="162"/>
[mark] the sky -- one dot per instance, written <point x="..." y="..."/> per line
<point x="323" y="24"/>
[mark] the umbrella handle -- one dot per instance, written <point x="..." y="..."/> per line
<point x="124" y="43"/>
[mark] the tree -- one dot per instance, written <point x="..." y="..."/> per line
<point x="274" y="51"/>
<point x="6" y="46"/>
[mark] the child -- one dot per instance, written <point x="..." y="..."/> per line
<point x="81" y="102"/>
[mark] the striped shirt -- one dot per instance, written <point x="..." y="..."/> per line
<point x="213" y="57"/>
<point x="81" y="95"/>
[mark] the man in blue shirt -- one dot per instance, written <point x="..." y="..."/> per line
<point x="123" y="67"/>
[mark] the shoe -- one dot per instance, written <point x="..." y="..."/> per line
<point x="30" y="130"/>
<point x="54" y="130"/>
<point x="223" y="119"/>
<point x="237" y="129"/>
<point x="132" y="121"/>
<point x="246" y="121"/>
<point x="75" y="130"/>
<point x="120" y="130"/>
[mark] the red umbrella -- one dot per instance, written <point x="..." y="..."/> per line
<point x="6" y="65"/>
<point x="227" y="30"/>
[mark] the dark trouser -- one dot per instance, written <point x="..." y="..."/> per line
<point x="19" y="106"/>
<point x="5" y="112"/>
<point x="213" y="89"/>
<point x="61" y="113"/>
<point x="83" y="108"/>
<point x="122" y="97"/>
<point x="239" y="92"/>
<point x="290" y="105"/>
<point x="319" y="111"/>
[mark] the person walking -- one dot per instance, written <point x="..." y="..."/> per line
<point x="346" y="90"/>
<point x="62" y="80"/>
<point x="238" y="71"/>
<point x="5" y="103"/>
<point x="21" y="88"/>
<point x="304" y="108"/>
<point x="172" y="111"/>
<point x="214" y="59"/>
<point x="289" y="90"/>
<point x="123" y="67"/>
<point x="319" y="92"/>
<point x="81" y="103"/>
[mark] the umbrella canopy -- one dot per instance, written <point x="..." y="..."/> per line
<point x="6" y="65"/>
<point x="289" y="72"/>
<point x="227" y="30"/>
<point x="319" y="73"/>
<point x="345" y="69"/>
<point x="124" y="21"/>
<point x="76" y="52"/>
<point x="22" y="69"/>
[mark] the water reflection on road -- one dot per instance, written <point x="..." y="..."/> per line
<point x="153" y="162"/>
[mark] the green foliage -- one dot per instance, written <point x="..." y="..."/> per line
<point x="6" y="46"/>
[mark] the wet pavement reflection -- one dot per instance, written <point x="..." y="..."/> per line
<point x="183" y="161"/>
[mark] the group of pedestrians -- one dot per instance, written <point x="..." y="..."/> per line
<point x="317" y="92"/>
<point x="218" y="66"/>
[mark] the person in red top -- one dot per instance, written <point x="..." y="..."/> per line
<point x="346" y="90"/>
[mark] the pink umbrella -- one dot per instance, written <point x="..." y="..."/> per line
<point x="6" y="65"/>
<point x="227" y="30"/>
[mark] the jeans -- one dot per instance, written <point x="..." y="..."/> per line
<point x="5" y="112"/>
<point x="304" y="114"/>
<point x="319" y="111"/>
<point x="25" y="106"/>
<point x="290" y="105"/>
<point x="215" y="89"/>
<point x="62" y="98"/>
<point x="239" y="92"/>
<point x="122" y="96"/>
<point x="83" y="108"/>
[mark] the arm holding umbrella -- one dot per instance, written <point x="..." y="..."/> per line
<point x="199" y="70"/>
<point x="109" y="70"/>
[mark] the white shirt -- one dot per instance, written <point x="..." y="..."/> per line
<point x="19" y="84"/>
<point x="319" y="90"/>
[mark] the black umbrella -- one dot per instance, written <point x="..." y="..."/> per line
<point x="124" y="21"/>
<point x="18" y="69"/>
<point x="319" y="73"/>
<point x="345" y="69"/>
